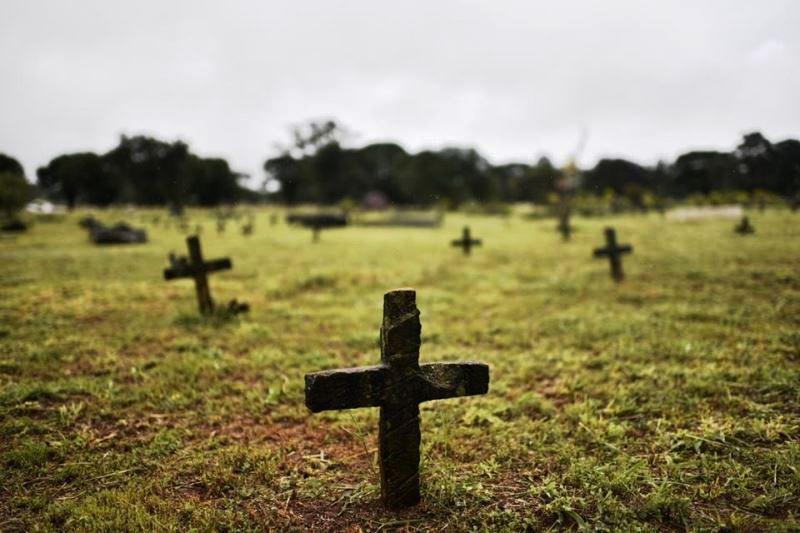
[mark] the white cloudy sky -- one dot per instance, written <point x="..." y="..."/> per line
<point x="514" y="79"/>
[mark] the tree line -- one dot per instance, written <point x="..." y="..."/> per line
<point x="318" y="169"/>
<point x="315" y="167"/>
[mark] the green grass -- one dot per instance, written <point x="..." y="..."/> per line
<point x="670" y="401"/>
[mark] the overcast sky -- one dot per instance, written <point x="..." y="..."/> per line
<point x="516" y="80"/>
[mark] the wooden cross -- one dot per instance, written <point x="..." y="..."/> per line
<point x="195" y="267"/>
<point x="466" y="242"/>
<point x="614" y="253"/>
<point x="397" y="386"/>
<point x="744" y="227"/>
<point x="564" y="227"/>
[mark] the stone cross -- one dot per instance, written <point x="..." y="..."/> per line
<point x="744" y="227"/>
<point x="614" y="253"/>
<point x="397" y="386"/>
<point x="195" y="267"/>
<point x="466" y="242"/>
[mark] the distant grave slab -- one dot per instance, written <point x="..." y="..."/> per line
<point x="14" y="226"/>
<point x="318" y="222"/>
<point x="120" y="233"/>
<point x="684" y="214"/>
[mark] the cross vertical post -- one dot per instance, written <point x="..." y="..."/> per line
<point x="204" y="300"/>
<point x="398" y="429"/>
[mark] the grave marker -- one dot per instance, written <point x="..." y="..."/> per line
<point x="614" y="253"/>
<point x="195" y="267"/>
<point x="397" y="386"/>
<point x="564" y="227"/>
<point x="744" y="227"/>
<point x="564" y="212"/>
<point x="466" y="242"/>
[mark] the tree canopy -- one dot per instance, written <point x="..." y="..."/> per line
<point x="144" y="171"/>
<point x="15" y="191"/>
<point x="316" y="166"/>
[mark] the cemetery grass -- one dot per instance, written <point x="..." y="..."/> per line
<point x="668" y="402"/>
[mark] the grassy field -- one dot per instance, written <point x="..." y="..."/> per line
<point x="671" y="401"/>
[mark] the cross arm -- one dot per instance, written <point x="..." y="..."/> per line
<point x="218" y="264"/>
<point x="347" y="388"/>
<point x="449" y="380"/>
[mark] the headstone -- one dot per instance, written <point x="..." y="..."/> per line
<point x="220" y="225"/>
<point x="89" y="222"/>
<point x="398" y="385"/>
<point x="247" y="228"/>
<point x="466" y="242"/>
<point x="120" y="233"/>
<point x="614" y="253"/>
<point x="14" y="225"/>
<point x="318" y="222"/>
<point x="195" y="267"/>
<point x="744" y="227"/>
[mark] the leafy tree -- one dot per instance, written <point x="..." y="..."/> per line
<point x="703" y="172"/>
<point x="152" y="168"/>
<point x="15" y="193"/>
<point x="9" y="164"/>
<point x="625" y="178"/>
<point x="77" y="178"/>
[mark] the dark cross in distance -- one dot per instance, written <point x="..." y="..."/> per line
<point x="466" y="242"/>
<point x="614" y="253"/>
<point x="397" y="386"/>
<point x="195" y="267"/>
<point x="564" y="212"/>
<point x="744" y="227"/>
<point x="564" y="227"/>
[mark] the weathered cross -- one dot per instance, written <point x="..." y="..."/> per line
<point x="564" y="227"/>
<point x="397" y="386"/>
<point x="195" y="267"/>
<point x="466" y="242"/>
<point x="744" y="227"/>
<point x="614" y="253"/>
